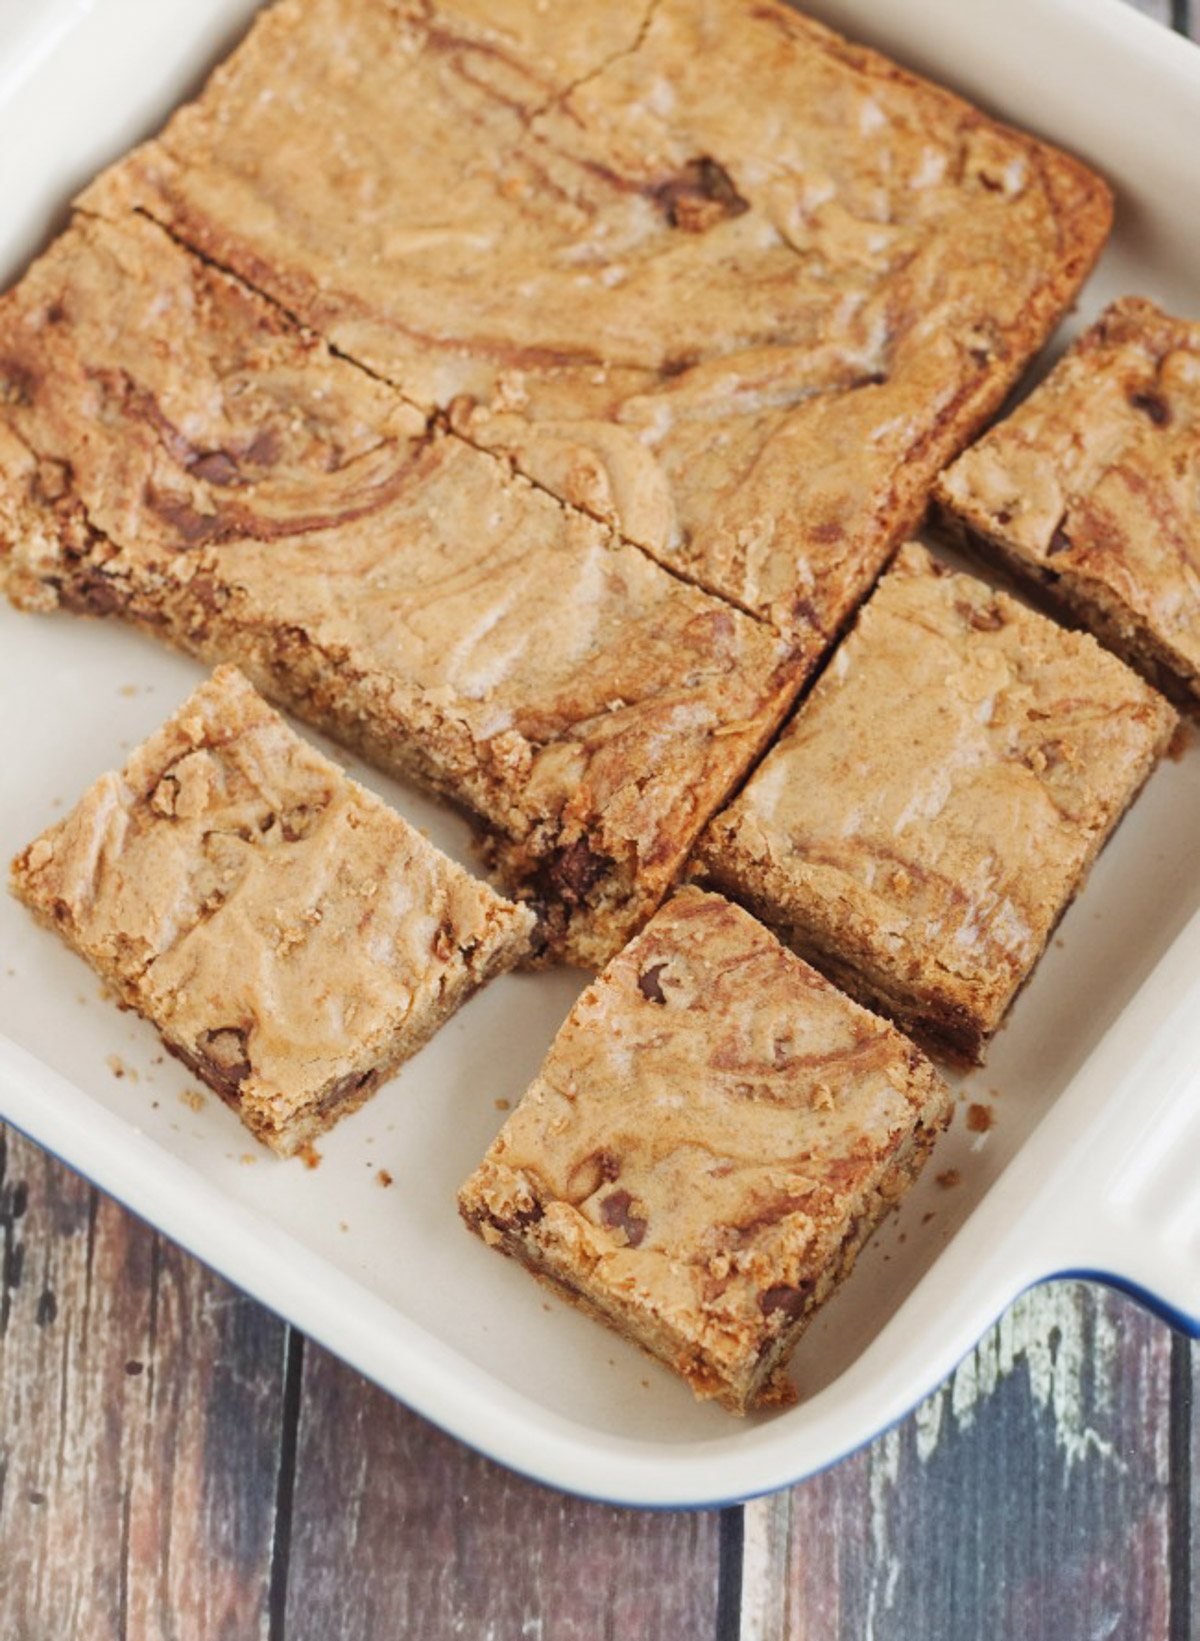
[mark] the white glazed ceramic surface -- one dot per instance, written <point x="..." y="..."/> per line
<point x="1093" y="1086"/>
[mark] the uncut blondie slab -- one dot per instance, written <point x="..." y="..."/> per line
<point x="737" y="287"/>
<point x="175" y="451"/>
<point x="712" y="1137"/>
<point x="939" y="799"/>
<point x="1090" y="490"/>
<point x="290" y="936"/>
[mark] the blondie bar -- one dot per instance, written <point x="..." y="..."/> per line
<point x="939" y="799"/>
<point x="714" y="1134"/>
<point x="737" y="287"/>
<point x="290" y="936"/>
<point x="1089" y="490"/>
<point x="174" y="450"/>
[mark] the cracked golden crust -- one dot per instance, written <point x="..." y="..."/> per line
<point x="1090" y="486"/>
<point x="292" y="938"/>
<point x="939" y="798"/>
<point x="176" y="452"/>
<point x="709" y="1141"/>
<point x="758" y="284"/>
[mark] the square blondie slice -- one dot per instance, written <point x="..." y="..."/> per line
<point x="175" y="451"/>
<point x="1089" y="490"/>
<point x="938" y="800"/>
<point x="290" y="936"/>
<point x="737" y="287"/>
<point x="713" y="1136"/>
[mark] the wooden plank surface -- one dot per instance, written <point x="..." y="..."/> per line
<point x="1187" y="1488"/>
<point x="1030" y="1496"/>
<point x="140" y="1425"/>
<point x="437" y="1542"/>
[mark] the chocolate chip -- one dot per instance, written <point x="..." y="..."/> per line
<point x="355" y="1082"/>
<point x="265" y="449"/>
<point x="206" y="593"/>
<point x="575" y="869"/>
<point x="649" y="986"/>
<point x="700" y="196"/>
<point x="785" y="1297"/>
<point x="1152" y="405"/>
<point x="91" y="592"/>
<point x="17" y="383"/>
<point x="527" y="1216"/>
<point x="614" y="1211"/>
<point x="192" y="528"/>
<point x="214" y="467"/>
<point x="1060" y="541"/>
<point x="223" y="1059"/>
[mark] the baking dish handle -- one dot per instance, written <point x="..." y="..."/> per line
<point x="1126" y="1209"/>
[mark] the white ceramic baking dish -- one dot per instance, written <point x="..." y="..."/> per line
<point x="1093" y="1090"/>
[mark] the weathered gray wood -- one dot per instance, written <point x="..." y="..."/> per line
<point x="1029" y="1496"/>
<point x="398" y="1530"/>
<point x="1187" y="1501"/>
<point x="139" y="1425"/>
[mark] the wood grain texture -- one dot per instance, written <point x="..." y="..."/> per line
<point x="139" y="1425"/>
<point x="436" y="1542"/>
<point x="1029" y="1496"/>
<point x="1187" y="1489"/>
